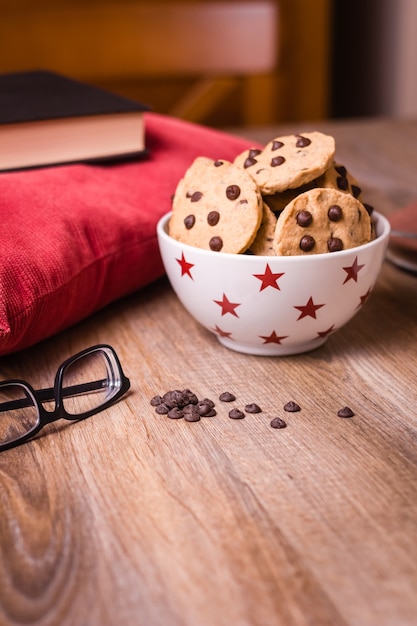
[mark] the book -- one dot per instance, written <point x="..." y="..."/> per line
<point x="50" y="119"/>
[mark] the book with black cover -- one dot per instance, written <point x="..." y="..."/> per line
<point x="47" y="118"/>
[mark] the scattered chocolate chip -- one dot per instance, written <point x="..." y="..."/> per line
<point x="213" y="218"/>
<point x="307" y="243"/>
<point x="156" y="400"/>
<point x="196" y="196"/>
<point x="334" y="244"/>
<point x="187" y="398"/>
<point x="236" y="414"/>
<point x="170" y="398"/>
<point x="276" y="145"/>
<point x="345" y="412"/>
<point x="277" y="422"/>
<point x="275" y="161"/>
<point x="302" y="142"/>
<point x="175" y="413"/>
<point x="292" y="407"/>
<point x="253" y="408"/>
<point x="227" y="396"/>
<point x="304" y="218"/>
<point x="192" y="416"/>
<point x="208" y="401"/>
<point x="335" y="213"/>
<point x="232" y="192"/>
<point x="189" y="221"/>
<point x="211" y="413"/>
<point x="203" y="408"/>
<point x="216" y="244"/>
<point x="356" y="191"/>
<point x="162" y="409"/>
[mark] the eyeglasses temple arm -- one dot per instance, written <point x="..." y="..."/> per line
<point x="44" y="395"/>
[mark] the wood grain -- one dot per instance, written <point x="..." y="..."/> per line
<point x="132" y="518"/>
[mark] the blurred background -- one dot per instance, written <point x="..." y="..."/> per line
<point x="227" y="63"/>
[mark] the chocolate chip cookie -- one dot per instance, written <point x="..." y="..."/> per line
<point x="262" y="244"/>
<point x="322" y="220"/>
<point x="288" y="162"/>
<point x="217" y="206"/>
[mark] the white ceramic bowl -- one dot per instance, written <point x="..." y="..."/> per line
<point x="273" y="305"/>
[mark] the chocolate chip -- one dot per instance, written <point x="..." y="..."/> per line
<point x="196" y="196"/>
<point x="236" y="414"/>
<point x="175" y="413"/>
<point x="189" y="221"/>
<point x="249" y="161"/>
<point x="292" y="407"/>
<point x="307" y="243"/>
<point x="233" y="192"/>
<point x="277" y="422"/>
<point x="218" y="163"/>
<point x="170" y="398"/>
<point x="208" y="401"/>
<point x="253" y="408"/>
<point x="162" y="409"/>
<point x="302" y="142"/>
<point x="216" y="244"/>
<point x="340" y="169"/>
<point x="345" y="412"/>
<point x="227" y="396"/>
<point x="253" y="152"/>
<point x="203" y="408"/>
<point x="185" y="398"/>
<point x="211" y="413"/>
<point x="342" y="183"/>
<point x="335" y="213"/>
<point x="304" y="218"/>
<point x="213" y="218"/>
<point x="276" y="145"/>
<point x="156" y="400"/>
<point x="369" y="208"/>
<point x="192" y="416"/>
<point x="279" y="160"/>
<point x="356" y="191"/>
<point x="335" y="244"/>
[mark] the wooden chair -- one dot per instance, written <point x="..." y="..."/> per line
<point x="221" y="44"/>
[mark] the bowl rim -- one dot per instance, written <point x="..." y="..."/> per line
<point x="381" y="224"/>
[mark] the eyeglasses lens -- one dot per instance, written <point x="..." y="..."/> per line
<point x="18" y="412"/>
<point x="89" y="382"/>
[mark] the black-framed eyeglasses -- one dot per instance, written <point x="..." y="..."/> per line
<point x="84" y="385"/>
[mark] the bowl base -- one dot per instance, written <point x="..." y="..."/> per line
<point x="272" y="350"/>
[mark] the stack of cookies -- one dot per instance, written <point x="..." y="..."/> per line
<point x="289" y="198"/>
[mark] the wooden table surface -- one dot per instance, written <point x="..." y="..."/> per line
<point x="131" y="518"/>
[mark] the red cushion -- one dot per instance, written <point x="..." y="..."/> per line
<point x="76" y="237"/>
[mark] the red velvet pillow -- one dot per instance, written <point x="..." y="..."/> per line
<point x="74" y="238"/>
